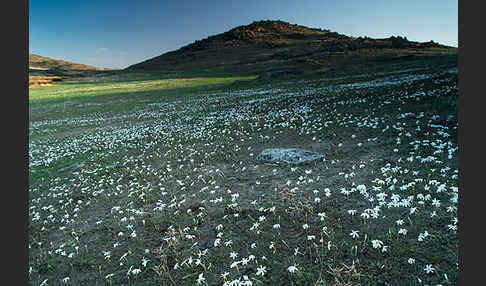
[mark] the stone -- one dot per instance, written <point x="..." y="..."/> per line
<point x="288" y="155"/>
<point x="74" y="166"/>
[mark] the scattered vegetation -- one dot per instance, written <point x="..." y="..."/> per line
<point x="156" y="182"/>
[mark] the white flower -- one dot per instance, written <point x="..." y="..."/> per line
<point x="328" y="192"/>
<point x="233" y="255"/>
<point x="145" y="261"/>
<point x="403" y="231"/>
<point x="377" y="243"/>
<point x="109" y="276"/>
<point x="436" y="203"/>
<point x="305" y="226"/>
<point x="275" y="226"/>
<point x="255" y="226"/>
<point x="261" y="270"/>
<point x="429" y="269"/>
<point x="200" y="279"/>
<point x="354" y="233"/>
<point x="293" y="268"/>
<point x="107" y="254"/>
<point x="296" y="251"/>
<point x="411" y="261"/>
<point x="65" y="279"/>
<point x="244" y="261"/>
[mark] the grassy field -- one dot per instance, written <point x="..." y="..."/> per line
<point x="155" y="181"/>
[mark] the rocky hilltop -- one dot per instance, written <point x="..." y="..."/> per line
<point x="270" y="45"/>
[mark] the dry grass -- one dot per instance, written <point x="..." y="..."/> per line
<point x="37" y="80"/>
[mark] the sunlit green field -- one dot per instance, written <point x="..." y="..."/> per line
<point x="68" y="91"/>
<point x="156" y="181"/>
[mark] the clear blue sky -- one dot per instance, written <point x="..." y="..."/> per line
<point x="116" y="34"/>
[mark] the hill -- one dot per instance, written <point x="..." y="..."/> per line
<point x="272" y="45"/>
<point x="37" y="62"/>
<point x="45" y="71"/>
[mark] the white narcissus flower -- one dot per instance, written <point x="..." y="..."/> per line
<point x="293" y="268"/>
<point x="235" y="264"/>
<point x="403" y="231"/>
<point x="429" y="269"/>
<point x="377" y="243"/>
<point x="200" y="279"/>
<point x="261" y="270"/>
<point x="145" y="261"/>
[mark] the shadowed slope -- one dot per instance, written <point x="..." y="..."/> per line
<point x="272" y="45"/>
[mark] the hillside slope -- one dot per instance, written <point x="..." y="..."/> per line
<point x="272" y="45"/>
<point x="43" y="63"/>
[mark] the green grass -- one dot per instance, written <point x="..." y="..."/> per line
<point x="71" y="91"/>
<point x="170" y="167"/>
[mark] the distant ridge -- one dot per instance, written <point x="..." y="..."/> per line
<point x="37" y="62"/>
<point x="267" y="45"/>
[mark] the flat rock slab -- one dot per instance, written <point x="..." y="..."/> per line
<point x="288" y="155"/>
<point x="74" y="166"/>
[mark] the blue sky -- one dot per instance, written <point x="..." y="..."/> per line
<point x="116" y="34"/>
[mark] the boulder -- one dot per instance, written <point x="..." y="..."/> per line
<point x="289" y="155"/>
<point x="74" y="166"/>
